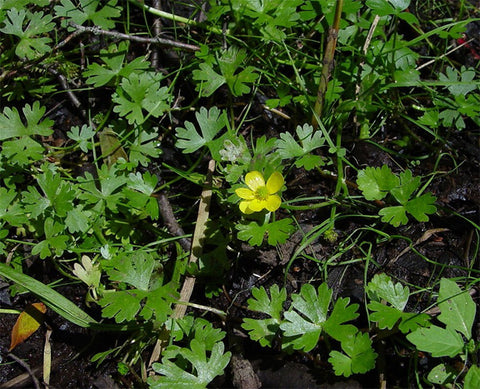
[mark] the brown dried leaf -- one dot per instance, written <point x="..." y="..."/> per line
<point x="27" y="323"/>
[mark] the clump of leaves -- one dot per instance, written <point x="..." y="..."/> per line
<point x="454" y="338"/>
<point x="194" y="366"/>
<point x="387" y="304"/>
<point x="309" y="317"/>
<point x="377" y="183"/>
<point x="227" y="63"/>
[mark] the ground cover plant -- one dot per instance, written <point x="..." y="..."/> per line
<point x="239" y="193"/>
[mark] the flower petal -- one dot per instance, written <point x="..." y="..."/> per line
<point x="245" y="193"/>
<point x="275" y="183"/>
<point x="257" y="205"/>
<point x="244" y="207"/>
<point x="273" y="203"/>
<point x="254" y="180"/>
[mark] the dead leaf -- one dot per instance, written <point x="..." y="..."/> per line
<point x="111" y="147"/>
<point x="27" y="323"/>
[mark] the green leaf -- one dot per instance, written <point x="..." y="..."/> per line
<point x="22" y="151"/>
<point x="54" y="240"/>
<point x="114" y="67"/>
<point x="396" y="216"/>
<point x="272" y="306"/>
<point x="375" y="183"/>
<point x="141" y="92"/>
<point x="83" y="136"/>
<point x="457" y="307"/>
<point x="472" y="378"/>
<point x="254" y="233"/>
<point x="158" y="306"/>
<point x="442" y="374"/>
<point x="89" y="10"/>
<point x="271" y="16"/>
<point x="34" y="202"/>
<point x="204" y="369"/>
<point x="144" y="148"/>
<point x="381" y="288"/>
<point x="11" y="124"/>
<point x="408" y="185"/>
<point x="265" y="330"/>
<point x="211" y="122"/>
<point x="11" y="211"/>
<point x="309" y="140"/>
<point x="342" y="312"/>
<point x="206" y="334"/>
<point x="123" y="305"/>
<point x="109" y="194"/>
<point x="387" y="317"/>
<point x="135" y="269"/>
<point x="458" y="87"/>
<point x="59" y="193"/>
<point x="380" y="7"/>
<point x="305" y="319"/>
<point x="228" y="63"/>
<point x="420" y="207"/>
<point x="36" y="23"/>
<point x="359" y="356"/>
<point x="440" y="342"/>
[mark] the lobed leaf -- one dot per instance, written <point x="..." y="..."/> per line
<point x="359" y="356"/>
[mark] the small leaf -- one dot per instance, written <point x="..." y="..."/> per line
<point x="211" y="122"/>
<point x="228" y="63"/>
<point x="141" y="92"/>
<point x="254" y="233"/>
<point x="420" y="207"/>
<point x="408" y="185"/>
<point x="88" y="272"/>
<point x="396" y="216"/>
<point x="11" y="125"/>
<point x="359" y="356"/>
<point x="440" y="342"/>
<point x="472" y="378"/>
<point x="27" y="323"/>
<point x="457" y="307"/>
<point x="205" y="369"/>
<point x="375" y="183"/>
<point x="89" y="10"/>
<point x="306" y="317"/>
<point x="309" y="140"/>
<point x="381" y="287"/>
<point x="265" y="330"/>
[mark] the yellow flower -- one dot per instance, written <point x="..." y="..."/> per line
<point x="259" y="196"/>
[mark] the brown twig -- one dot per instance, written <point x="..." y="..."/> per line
<point x="25" y="365"/>
<point x="157" y="29"/>
<point x="134" y="38"/>
<point x="171" y="223"/>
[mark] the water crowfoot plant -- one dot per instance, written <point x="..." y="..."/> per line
<point x="307" y="236"/>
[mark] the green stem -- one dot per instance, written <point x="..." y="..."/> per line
<point x="173" y="17"/>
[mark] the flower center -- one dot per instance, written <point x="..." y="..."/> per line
<point x="261" y="193"/>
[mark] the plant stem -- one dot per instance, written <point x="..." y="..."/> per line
<point x="327" y="63"/>
<point x="173" y="17"/>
